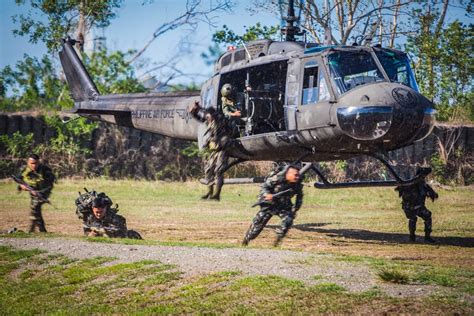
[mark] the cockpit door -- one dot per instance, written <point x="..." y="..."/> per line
<point x="314" y="95"/>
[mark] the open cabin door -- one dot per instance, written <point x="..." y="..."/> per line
<point x="209" y="94"/>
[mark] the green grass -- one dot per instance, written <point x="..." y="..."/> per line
<point x="394" y="275"/>
<point x="98" y="286"/>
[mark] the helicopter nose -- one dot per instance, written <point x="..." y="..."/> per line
<point x="393" y="113"/>
<point x="414" y="115"/>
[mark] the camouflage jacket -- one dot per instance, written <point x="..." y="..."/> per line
<point x="228" y="107"/>
<point x="41" y="180"/>
<point x="112" y="225"/>
<point x="218" y="134"/>
<point x="414" y="196"/>
<point x="276" y="183"/>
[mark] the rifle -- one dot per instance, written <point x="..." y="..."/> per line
<point x="263" y="201"/>
<point x="302" y="171"/>
<point x="103" y="231"/>
<point x="28" y="188"/>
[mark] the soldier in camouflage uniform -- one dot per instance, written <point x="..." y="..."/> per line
<point x="41" y="178"/>
<point x="413" y="203"/>
<point x="288" y="179"/>
<point x="217" y="142"/>
<point x="229" y="107"/>
<point x="100" y="219"/>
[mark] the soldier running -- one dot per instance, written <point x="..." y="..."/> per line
<point x="413" y="203"/>
<point x="39" y="181"/>
<point x="275" y="199"/>
<point x="100" y="219"/>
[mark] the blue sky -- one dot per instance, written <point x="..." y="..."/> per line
<point x="133" y="27"/>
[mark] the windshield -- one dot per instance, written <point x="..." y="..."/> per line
<point x="350" y="69"/>
<point x="397" y="67"/>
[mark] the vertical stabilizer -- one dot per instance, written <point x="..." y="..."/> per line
<point x="80" y="83"/>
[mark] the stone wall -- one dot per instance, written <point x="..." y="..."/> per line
<point x="122" y="151"/>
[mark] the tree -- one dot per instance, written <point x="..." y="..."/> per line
<point x="34" y="83"/>
<point x="226" y="36"/>
<point x="63" y="18"/>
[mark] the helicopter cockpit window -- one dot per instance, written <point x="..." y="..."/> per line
<point x="310" y="83"/>
<point x="314" y="89"/>
<point x="350" y="69"/>
<point x="226" y="60"/>
<point x="397" y="67"/>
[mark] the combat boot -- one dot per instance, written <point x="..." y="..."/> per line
<point x="430" y="240"/>
<point x="277" y="241"/>
<point x="217" y="195"/>
<point x="245" y="242"/>
<point x="208" y="195"/>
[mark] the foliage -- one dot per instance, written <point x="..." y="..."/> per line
<point x="226" y="36"/>
<point x="17" y="145"/>
<point x="112" y="73"/>
<point x="33" y="84"/>
<point x="63" y="17"/>
<point x="444" y="68"/>
<point x="252" y="33"/>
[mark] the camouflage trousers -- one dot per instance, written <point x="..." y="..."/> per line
<point x="261" y="219"/>
<point x="413" y="213"/>
<point x="35" y="215"/>
<point x="215" y="167"/>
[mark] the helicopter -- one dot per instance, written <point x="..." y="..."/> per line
<point x="307" y="102"/>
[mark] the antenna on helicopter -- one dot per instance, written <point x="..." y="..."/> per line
<point x="290" y="30"/>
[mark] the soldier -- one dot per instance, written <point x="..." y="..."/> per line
<point x="38" y="180"/>
<point x="217" y="143"/>
<point x="228" y="102"/>
<point x="413" y="203"/>
<point x="100" y="219"/>
<point x="275" y="199"/>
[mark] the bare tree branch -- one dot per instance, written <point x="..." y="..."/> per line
<point x="191" y="18"/>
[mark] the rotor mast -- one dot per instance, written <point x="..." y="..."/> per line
<point x="290" y="30"/>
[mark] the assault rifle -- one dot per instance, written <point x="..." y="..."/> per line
<point x="102" y="230"/>
<point x="302" y="171"/>
<point x="263" y="201"/>
<point x="28" y="188"/>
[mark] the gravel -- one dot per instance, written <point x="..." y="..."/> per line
<point x="311" y="268"/>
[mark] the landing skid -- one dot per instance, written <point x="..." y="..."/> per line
<point x="325" y="184"/>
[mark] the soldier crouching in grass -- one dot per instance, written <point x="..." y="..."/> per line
<point x="38" y="179"/>
<point x="275" y="199"/>
<point x="100" y="219"/>
<point x="413" y="203"/>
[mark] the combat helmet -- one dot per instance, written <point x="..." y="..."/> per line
<point x="227" y="90"/>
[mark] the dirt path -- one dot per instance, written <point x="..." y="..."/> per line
<point x="196" y="261"/>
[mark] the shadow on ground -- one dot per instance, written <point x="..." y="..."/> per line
<point x="360" y="234"/>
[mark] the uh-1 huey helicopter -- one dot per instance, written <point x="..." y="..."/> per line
<point x="308" y="102"/>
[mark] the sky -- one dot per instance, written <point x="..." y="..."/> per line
<point x="134" y="26"/>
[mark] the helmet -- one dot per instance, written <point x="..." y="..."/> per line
<point x="101" y="200"/>
<point x="227" y="90"/>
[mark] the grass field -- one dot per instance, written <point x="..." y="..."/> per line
<point x="361" y="226"/>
